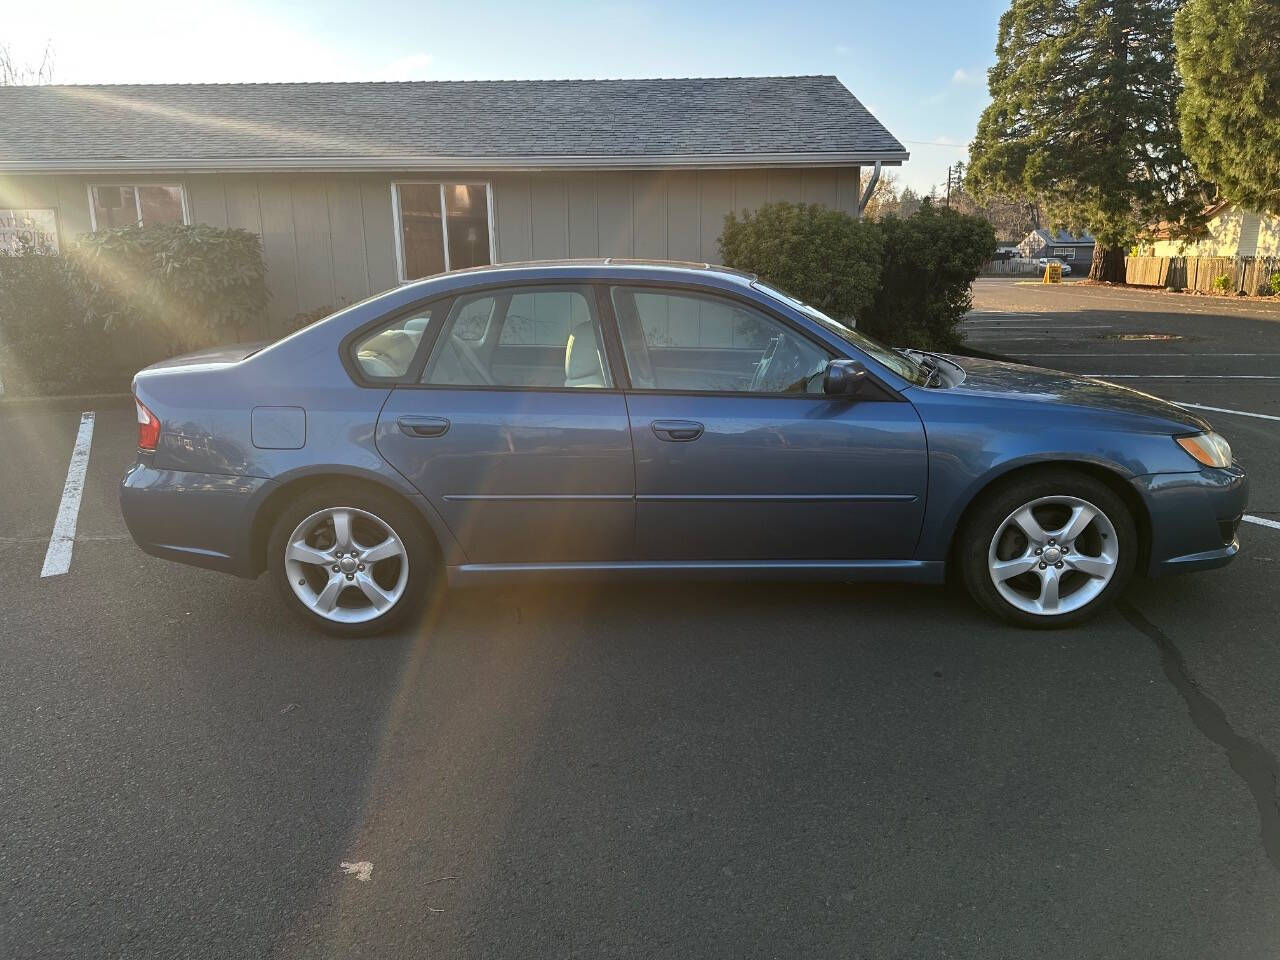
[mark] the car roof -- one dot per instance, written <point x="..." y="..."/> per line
<point x="590" y="268"/>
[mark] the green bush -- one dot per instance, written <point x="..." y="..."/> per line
<point x="1222" y="283"/>
<point x="821" y="256"/>
<point x="121" y="299"/>
<point x="904" y="281"/>
<point x="45" y="346"/>
<point x="930" y="261"/>
<point x="180" y="286"/>
<point x="1274" y="284"/>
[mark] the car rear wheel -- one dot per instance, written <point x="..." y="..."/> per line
<point x="1049" y="549"/>
<point x="350" y="562"/>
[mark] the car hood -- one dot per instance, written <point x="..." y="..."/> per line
<point x="1017" y="382"/>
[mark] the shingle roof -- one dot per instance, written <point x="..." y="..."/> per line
<point x="691" y="122"/>
<point x="1062" y="236"/>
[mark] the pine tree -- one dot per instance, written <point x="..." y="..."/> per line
<point x="1229" y="58"/>
<point x="1083" y="120"/>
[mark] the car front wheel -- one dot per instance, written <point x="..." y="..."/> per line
<point x="1049" y="549"/>
<point x="352" y="563"/>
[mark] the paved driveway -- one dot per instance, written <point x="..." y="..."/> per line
<point x="669" y="770"/>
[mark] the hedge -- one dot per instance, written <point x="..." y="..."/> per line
<point x="120" y="299"/>
<point x="904" y="281"/>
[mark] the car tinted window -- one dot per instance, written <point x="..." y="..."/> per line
<point x="388" y="352"/>
<point x="685" y="341"/>
<point x="521" y="337"/>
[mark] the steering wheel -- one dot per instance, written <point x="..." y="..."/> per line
<point x="766" y="361"/>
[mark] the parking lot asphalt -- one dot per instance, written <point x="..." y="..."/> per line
<point x="652" y="771"/>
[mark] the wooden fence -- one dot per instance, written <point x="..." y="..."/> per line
<point x="1248" y="274"/>
<point x="1012" y="268"/>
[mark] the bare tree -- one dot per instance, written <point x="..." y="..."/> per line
<point x="884" y="198"/>
<point x="13" y="73"/>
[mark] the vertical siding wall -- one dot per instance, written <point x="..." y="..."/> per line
<point x="665" y="215"/>
<point x="329" y="239"/>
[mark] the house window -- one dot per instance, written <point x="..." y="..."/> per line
<point x="1065" y="253"/>
<point x="136" y="204"/>
<point x="441" y="226"/>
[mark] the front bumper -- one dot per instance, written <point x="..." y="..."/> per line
<point x="1194" y="518"/>
<point x="202" y="519"/>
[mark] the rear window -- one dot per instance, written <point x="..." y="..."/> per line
<point x="387" y="353"/>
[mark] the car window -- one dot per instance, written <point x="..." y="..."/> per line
<point x="521" y="337"/>
<point x="904" y="367"/>
<point x="388" y="352"/>
<point x="685" y="341"/>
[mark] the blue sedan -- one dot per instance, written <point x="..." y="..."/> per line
<point x="626" y="419"/>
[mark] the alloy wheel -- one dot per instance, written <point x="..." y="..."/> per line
<point x="1053" y="555"/>
<point x="346" y="565"/>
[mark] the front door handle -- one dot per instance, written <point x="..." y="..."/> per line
<point x="423" y="426"/>
<point x="677" y="431"/>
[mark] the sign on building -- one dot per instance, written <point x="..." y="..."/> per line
<point x="34" y="229"/>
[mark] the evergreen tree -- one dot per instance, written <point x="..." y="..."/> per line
<point x="1083" y="119"/>
<point x="1229" y="58"/>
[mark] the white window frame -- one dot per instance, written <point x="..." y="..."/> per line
<point x="398" y="226"/>
<point x="137" y="201"/>
<point x="1064" y="253"/>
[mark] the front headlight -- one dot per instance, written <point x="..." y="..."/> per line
<point x="1210" y="449"/>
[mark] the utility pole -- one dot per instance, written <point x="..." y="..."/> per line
<point x="948" y="186"/>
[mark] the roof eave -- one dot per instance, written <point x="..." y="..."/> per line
<point x="412" y="164"/>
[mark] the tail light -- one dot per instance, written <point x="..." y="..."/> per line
<point x="148" y="428"/>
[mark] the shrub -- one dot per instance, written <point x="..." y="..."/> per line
<point x="121" y="299"/>
<point x="45" y="346"/>
<point x="905" y="281"/>
<point x="183" y="286"/>
<point x="1274" y="284"/>
<point x="930" y="261"/>
<point x="821" y="256"/>
<point x="1222" y="283"/>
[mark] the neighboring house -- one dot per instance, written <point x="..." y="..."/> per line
<point x="355" y="187"/>
<point x="1057" y="243"/>
<point x="1233" y="232"/>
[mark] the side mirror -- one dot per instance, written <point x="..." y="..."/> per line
<point x="844" y="378"/>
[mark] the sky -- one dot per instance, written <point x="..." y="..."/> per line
<point x="919" y="65"/>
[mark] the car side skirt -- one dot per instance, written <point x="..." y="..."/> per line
<point x="896" y="571"/>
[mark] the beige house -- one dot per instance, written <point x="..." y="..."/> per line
<point x="355" y="187"/>
<point x="1233" y="232"/>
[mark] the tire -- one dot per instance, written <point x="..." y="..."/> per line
<point x="1007" y="569"/>
<point x="371" y="592"/>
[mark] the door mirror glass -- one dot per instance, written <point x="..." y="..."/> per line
<point x="843" y="378"/>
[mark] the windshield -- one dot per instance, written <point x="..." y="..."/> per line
<point x="904" y="367"/>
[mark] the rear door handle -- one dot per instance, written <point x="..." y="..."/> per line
<point x="677" y="431"/>
<point x="423" y="426"/>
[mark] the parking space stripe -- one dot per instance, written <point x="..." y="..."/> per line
<point x="57" y="560"/>
<point x="1238" y="413"/>
<point x="1261" y="521"/>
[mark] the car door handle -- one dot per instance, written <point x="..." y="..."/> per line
<point x="423" y="426"/>
<point x="677" y="431"/>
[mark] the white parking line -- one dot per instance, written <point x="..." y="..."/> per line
<point x="1275" y="525"/>
<point x="1238" y="413"/>
<point x="57" y="560"/>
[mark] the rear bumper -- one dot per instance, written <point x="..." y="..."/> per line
<point x="201" y="519"/>
<point x="1194" y="518"/>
